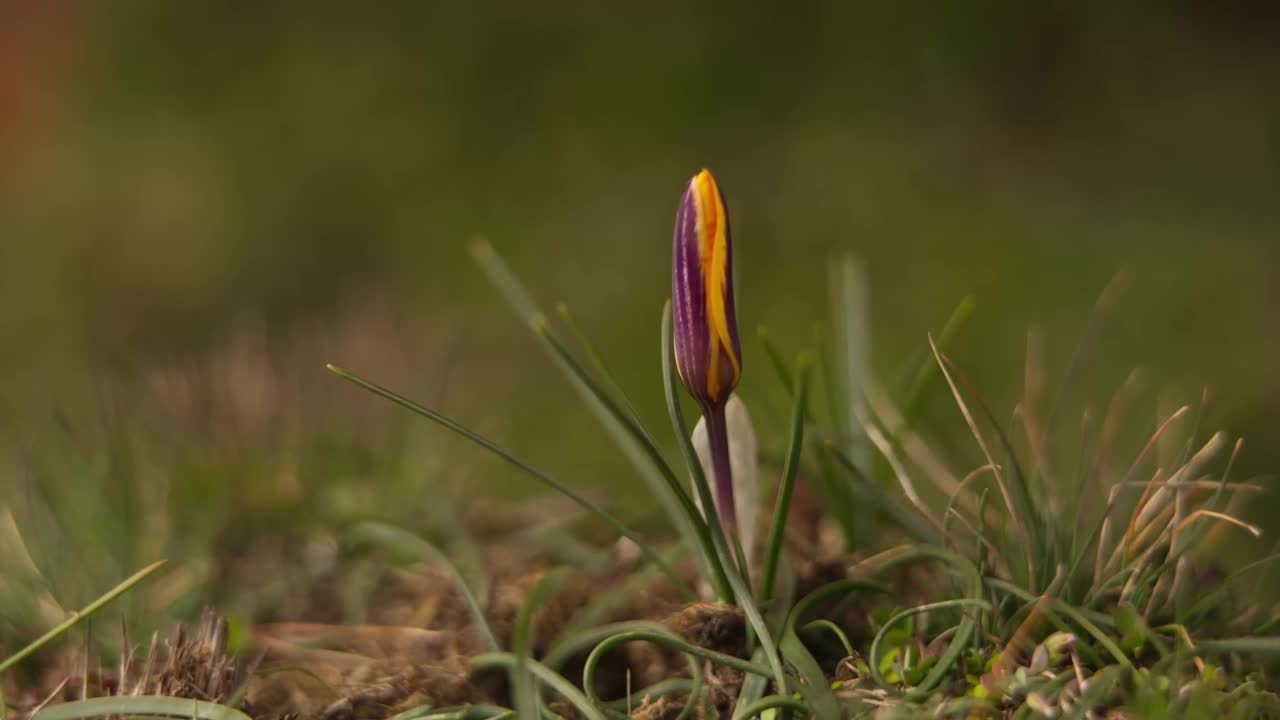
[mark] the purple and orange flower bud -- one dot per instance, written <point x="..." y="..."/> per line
<point x="705" y="327"/>
<point x="708" y="355"/>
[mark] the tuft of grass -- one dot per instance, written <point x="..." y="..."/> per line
<point x="1018" y="578"/>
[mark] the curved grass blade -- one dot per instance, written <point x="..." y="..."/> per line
<point x="753" y="686"/>
<point x="775" y="702"/>
<point x="740" y="592"/>
<point x="571" y="644"/>
<point x="150" y="705"/>
<point x="873" y="655"/>
<point x="1103" y="639"/>
<point x="967" y="628"/>
<point x="542" y="477"/>
<point x="786" y="484"/>
<point x="720" y="562"/>
<point x="816" y="688"/>
<point x="659" y="635"/>
<point x="84" y="614"/>
<point x="553" y="679"/>
<point x="639" y="437"/>
<point x="1013" y="590"/>
<point x="834" y="630"/>
<point x="403" y="541"/>
<point x="471" y="712"/>
<point x="625" y="429"/>
<point x="525" y="693"/>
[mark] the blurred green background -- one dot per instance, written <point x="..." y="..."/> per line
<point x="201" y="204"/>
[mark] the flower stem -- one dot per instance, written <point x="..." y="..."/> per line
<point x="718" y="438"/>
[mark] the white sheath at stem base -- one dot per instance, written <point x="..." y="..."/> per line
<point x="746" y="470"/>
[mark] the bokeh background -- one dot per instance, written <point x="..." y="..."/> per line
<point x="201" y="204"/>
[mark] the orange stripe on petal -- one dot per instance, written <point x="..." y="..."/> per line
<point x="713" y="255"/>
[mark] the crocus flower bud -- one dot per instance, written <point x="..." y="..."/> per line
<point x="705" y="329"/>
<point x="708" y="356"/>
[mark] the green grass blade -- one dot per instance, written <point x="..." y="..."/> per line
<point x="831" y="591"/>
<point x="533" y="472"/>
<point x="522" y="633"/>
<point x="84" y="614"/>
<point x="659" y="635"/>
<point x="471" y="712"/>
<point x="928" y="370"/>
<point x="720" y="564"/>
<point x="873" y="655"/>
<point x="753" y="687"/>
<point x="1099" y="618"/>
<point x="774" y="702"/>
<point x="597" y="361"/>
<point x="850" y="304"/>
<point x="407" y="543"/>
<point x="1098" y="634"/>
<point x="149" y="705"/>
<point x="635" y="433"/>
<point x="835" y="494"/>
<point x="786" y="484"/>
<point x="557" y="682"/>
<point x="572" y="643"/>
<point x="1265" y="645"/>
<point x="968" y="627"/>
<point x="835" y="632"/>
<point x="850" y="313"/>
<point x="622" y="427"/>
<point x="816" y="688"/>
<point x="740" y="592"/>
<point x="525" y="692"/>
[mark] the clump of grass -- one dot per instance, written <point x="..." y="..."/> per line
<point x="1041" y="602"/>
<point x="1024" y="586"/>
